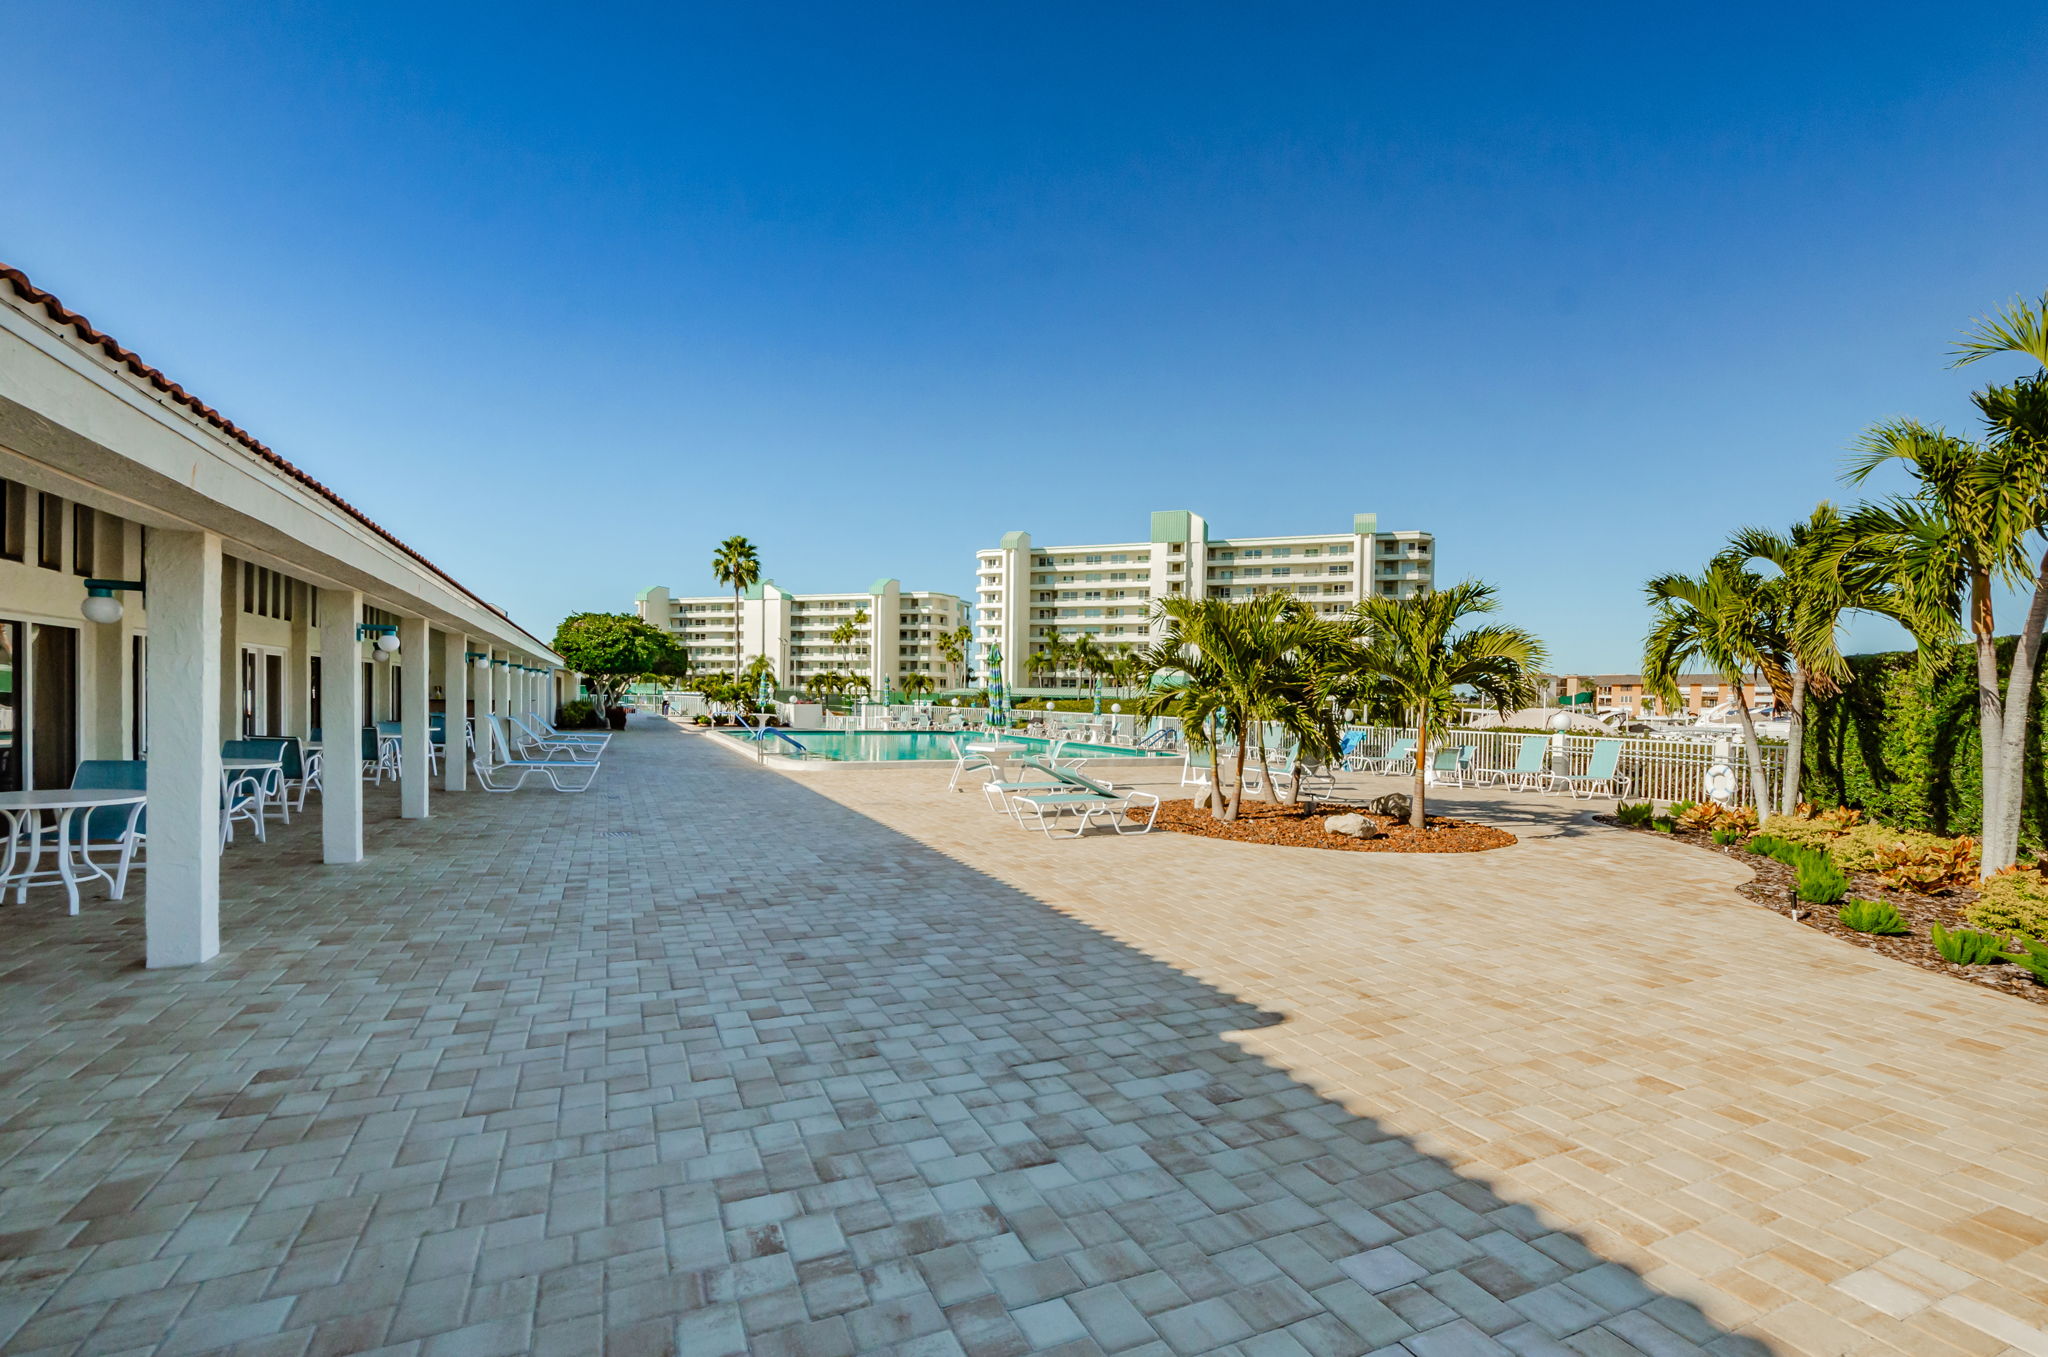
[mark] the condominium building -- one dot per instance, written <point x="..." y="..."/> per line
<point x="1026" y="595"/>
<point x="894" y="631"/>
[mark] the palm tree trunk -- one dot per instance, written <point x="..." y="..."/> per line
<point x="2012" y="757"/>
<point x="1795" y="744"/>
<point x="1267" y="792"/>
<point x="1990" y="714"/>
<point x="1417" y="816"/>
<point x="1236" y="781"/>
<point x="735" y="634"/>
<point x="1759" y="786"/>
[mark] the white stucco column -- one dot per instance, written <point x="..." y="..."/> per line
<point x="181" y="902"/>
<point x="455" y="699"/>
<point x="342" y="717"/>
<point x="414" y="734"/>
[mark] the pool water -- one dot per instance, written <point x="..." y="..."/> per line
<point x="926" y="746"/>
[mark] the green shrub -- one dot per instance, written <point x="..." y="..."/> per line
<point x="1867" y="916"/>
<point x="1680" y="809"/>
<point x="2013" y="904"/>
<point x="1664" y="824"/>
<point x="1636" y="815"/>
<point x="578" y="715"/>
<point x="1727" y="836"/>
<point x="2035" y="959"/>
<point x="1820" y="882"/>
<point x="1968" y="947"/>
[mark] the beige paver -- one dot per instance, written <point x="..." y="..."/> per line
<point x="717" y="1059"/>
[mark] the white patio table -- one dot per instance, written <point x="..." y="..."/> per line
<point x="62" y="805"/>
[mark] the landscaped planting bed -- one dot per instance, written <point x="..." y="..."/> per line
<point x="1775" y="889"/>
<point x="1301" y="826"/>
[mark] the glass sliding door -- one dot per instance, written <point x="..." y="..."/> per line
<point x="53" y="705"/>
<point x="11" y="691"/>
<point x="273" y="694"/>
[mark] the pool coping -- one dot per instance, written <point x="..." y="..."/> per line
<point x="783" y="763"/>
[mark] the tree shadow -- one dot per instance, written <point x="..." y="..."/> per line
<point x="834" y="1090"/>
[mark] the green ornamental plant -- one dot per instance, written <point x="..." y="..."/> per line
<point x="1869" y="916"/>
<point x="1727" y="836"/>
<point x="1967" y="946"/>
<point x="2035" y="959"/>
<point x="2012" y="904"/>
<point x="1635" y="815"/>
<point x="1820" y="882"/>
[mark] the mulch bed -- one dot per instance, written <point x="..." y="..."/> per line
<point x="1773" y="890"/>
<point x="1301" y="826"/>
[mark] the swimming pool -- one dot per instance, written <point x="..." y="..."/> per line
<point x="915" y="746"/>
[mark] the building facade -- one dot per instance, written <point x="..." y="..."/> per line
<point x="1696" y="692"/>
<point x="168" y="583"/>
<point x="1026" y="595"/>
<point x="895" y="631"/>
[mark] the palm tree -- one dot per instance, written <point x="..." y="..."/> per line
<point x="1826" y="567"/>
<point x="737" y="566"/>
<point x="1051" y="656"/>
<point x="1211" y="655"/>
<point x="953" y="647"/>
<point x="1412" y="655"/>
<point x="1965" y="529"/>
<point x="916" y="684"/>
<point x="1732" y="621"/>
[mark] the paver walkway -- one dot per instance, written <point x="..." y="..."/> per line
<point x="717" y="1060"/>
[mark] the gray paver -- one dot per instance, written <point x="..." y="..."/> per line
<point x="514" y="1085"/>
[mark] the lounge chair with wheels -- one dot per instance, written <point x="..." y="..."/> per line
<point x="1394" y="760"/>
<point x="509" y="773"/>
<point x="1531" y="763"/>
<point x="1087" y="800"/>
<point x="1601" y="777"/>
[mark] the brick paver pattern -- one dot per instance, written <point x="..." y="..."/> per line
<point x="717" y="1059"/>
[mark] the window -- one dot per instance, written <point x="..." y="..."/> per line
<point x="1337" y="569"/>
<point x="1253" y="553"/>
<point x="1280" y="570"/>
<point x="82" y="555"/>
<point x="13" y="524"/>
<point x="49" y="532"/>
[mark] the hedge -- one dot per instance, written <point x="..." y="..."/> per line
<point x="1901" y="742"/>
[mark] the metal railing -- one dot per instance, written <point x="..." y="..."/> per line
<point x="1658" y="770"/>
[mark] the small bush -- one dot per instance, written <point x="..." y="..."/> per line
<point x="1636" y="815"/>
<point x="1968" y="947"/>
<point x="1664" y="824"/>
<point x="1727" y="836"/>
<point x="577" y="715"/>
<point x="1681" y="809"/>
<point x="2012" y="904"/>
<point x="1869" y="916"/>
<point x="2035" y="959"/>
<point x="1929" y="868"/>
<point x="1820" y="882"/>
<point x="1699" y="817"/>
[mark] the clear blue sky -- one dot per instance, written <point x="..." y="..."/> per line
<point x="564" y="294"/>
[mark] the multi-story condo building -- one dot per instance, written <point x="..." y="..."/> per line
<point x="896" y="631"/>
<point x="1026" y="595"/>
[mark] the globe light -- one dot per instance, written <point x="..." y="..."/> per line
<point x="381" y="655"/>
<point x="483" y="664"/>
<point x="101" y="608"/>
<point x="388" y="641"/>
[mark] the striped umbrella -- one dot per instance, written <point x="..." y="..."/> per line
<point x="765" y="689"/>
<point x="998" y="703"/>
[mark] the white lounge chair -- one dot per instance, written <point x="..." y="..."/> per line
<point x="510" y="773"/>
<point x="546" y="730"/>
<point x="530" y="743"/>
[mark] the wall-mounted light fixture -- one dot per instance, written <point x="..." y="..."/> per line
<point x="386" y="634"/>
<point x="100" y="604"/>
<point x="480" y="659"/>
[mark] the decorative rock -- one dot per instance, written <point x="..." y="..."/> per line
<point x="1395" y="804"/>
<point x="1357" y="826"/>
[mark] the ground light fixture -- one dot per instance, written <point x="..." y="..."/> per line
<point x="101" y="604"/>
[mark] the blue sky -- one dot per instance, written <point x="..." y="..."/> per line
<point x="563" y="296"/>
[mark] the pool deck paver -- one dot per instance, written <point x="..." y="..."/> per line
<point x="716" y="1059"/>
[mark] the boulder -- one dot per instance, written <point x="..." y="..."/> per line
<point x="1395" y="804"/>
<point x="1354" y="825"/>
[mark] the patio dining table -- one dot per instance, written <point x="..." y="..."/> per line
<point x="60" y="805"/>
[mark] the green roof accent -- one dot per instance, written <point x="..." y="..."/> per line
<point x="1172" y="525"/>
<point x="753" y="592"/>
<point x="881" y="586"/>
<point x="1016" y="541"/>
<point x="641" y="597"/>
<point x="1365" y="523"/>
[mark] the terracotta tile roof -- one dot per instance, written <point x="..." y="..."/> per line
<point x="86" y="331"/>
